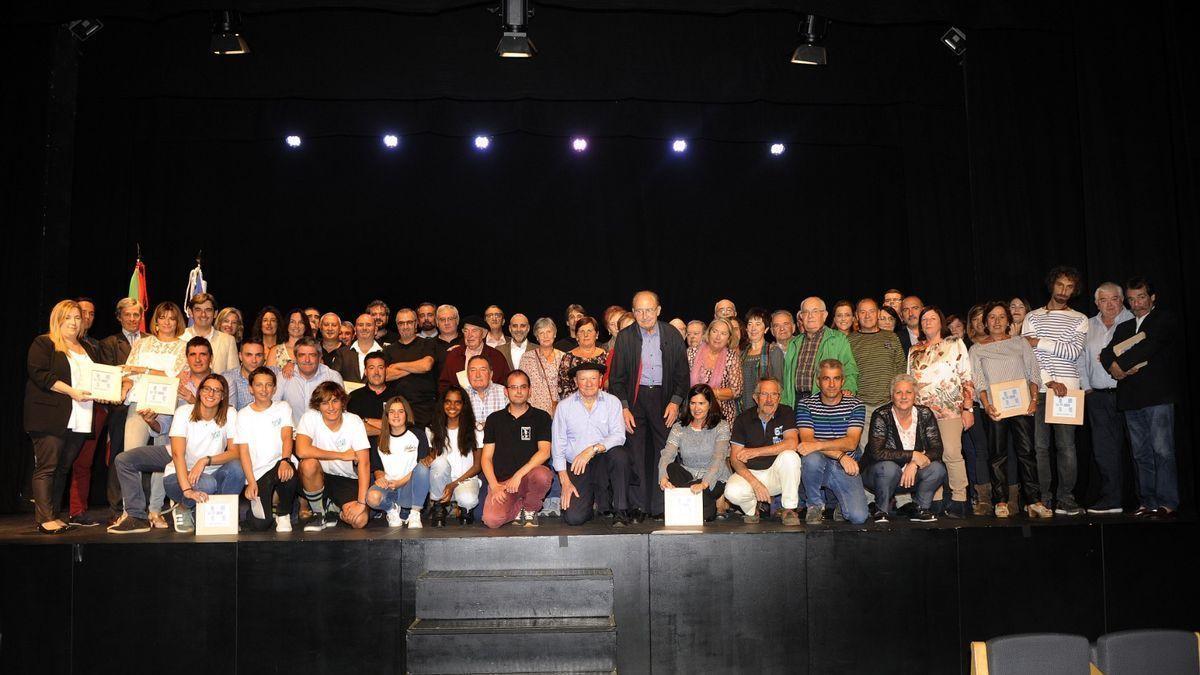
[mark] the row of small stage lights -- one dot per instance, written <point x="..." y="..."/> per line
<point x="483" y="143"/>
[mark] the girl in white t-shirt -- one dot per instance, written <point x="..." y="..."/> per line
<point x="454" y="474"/>
<point x="264" y="442"/>
<point x="203" y="459"/>
<point x="401" y="479"/>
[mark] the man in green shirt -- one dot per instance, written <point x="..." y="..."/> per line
<point x="815" y="343"/>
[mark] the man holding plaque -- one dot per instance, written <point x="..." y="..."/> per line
<point x="1141" y="358"/>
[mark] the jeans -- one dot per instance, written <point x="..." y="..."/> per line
<point x="1152" y="440"/>
<point x="1108" y="438"/>
<point x="466" y="494"/>
<point x="228" y="479"/>
<point x="822" y="472"/>
<point x="1064" y="444"/>
<point x="129" y="466"/>
<point x="409" y="496"/>
<point x="883" y="479"/>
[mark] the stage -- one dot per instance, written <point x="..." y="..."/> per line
<point x="900" y="598"/>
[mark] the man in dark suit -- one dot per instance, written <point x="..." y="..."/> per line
<point x="350" y="360"/>
<point x="1146" y="375"/>
<point x="650" y="377"/>
<point x="909" y="330"/>
<point x="114" y="351"/>
<point x="518" y="341"/>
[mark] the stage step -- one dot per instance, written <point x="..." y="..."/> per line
<point x="501" y="594"/>
<point x="528" y="645"/>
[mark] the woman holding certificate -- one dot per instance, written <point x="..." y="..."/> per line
<point x="1007" y="375"/>
<point x="161" y="353"/>
<point x="58" y="414"/>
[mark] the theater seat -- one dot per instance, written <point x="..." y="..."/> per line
<point x="1161" y="652"/>
<point x="1032" y="654"/>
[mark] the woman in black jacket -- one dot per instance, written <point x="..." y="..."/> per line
<point x="904" y="449"/>
<point x="58" y="413"/>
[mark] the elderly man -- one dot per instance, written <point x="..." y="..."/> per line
<point x="763" y="456"/>
<point x="310" y="372"/>
<point x="678" y="324"/>
<point x="380" y="313"/>
<point x="410" y="367"/>
<point x="516" y="445"/>
<point x="453" y="370"/>
<point x="346" y="333"/>
<point x="250" y="355"/>
<point x="329" y="329"/>
<point x="695" y="333"/>
<point x="115" y="350"/>
<point x="649" y="375"/>
<point x="426" y="320"/>
<point x="518" y="340"/>
<point x="448" y="335"/>
<point x="351" y="359"/>
<point x="830" y="425"/>
<point x="203" y="308"/>
<point x="588" y="450"/>
<point x="909" y="331"/>
<point x="485" y="394"/>
<point x="783" y="328"/>
<point x="816" y="343"/>
<point x="879" y="358"/>
<point x="494" y="317"/>
<point x="1100" y="389"/>
<point x="725" y="309"/>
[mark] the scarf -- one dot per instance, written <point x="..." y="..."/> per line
<point x="718" y="372"/>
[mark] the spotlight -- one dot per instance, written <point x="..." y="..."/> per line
<point x="679" y="145"/>
<point x="391" y="141"/>
<point x="82" y="29"/>
<point x="515" y="43"/>
<point x="812" y="30"/>
<point x="579" y="144"/>
<point x="482" y="142"/>
<point x="955" y="40"/>
<point x="226" y="39"/>
<point x="777" y="149"/>
<point x="293" y="141"/>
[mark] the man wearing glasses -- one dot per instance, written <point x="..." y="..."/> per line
<point x="815" y="343"/>
<point x="516" y="445"/>
<point x="410" y="365"/>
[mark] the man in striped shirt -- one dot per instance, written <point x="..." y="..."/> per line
<point x="830" y="424"/>
<point x="1057" y="334"/>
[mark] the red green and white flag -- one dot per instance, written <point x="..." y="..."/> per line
<point x="137" y="290"/>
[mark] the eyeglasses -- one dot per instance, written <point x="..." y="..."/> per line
<point x="493" y="315"/>
<point x="518" y="386"/>
<point x="644" y="311"/>
<point x="213" y="391"/>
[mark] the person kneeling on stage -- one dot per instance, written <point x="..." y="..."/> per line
<point x="334" y="458"/>
<point x="129" y="466"/>
<point x="204" y="460"/>
<point x="763" y="443"/>
<point x="830" y="424"/>
<point x="904" y="449"/>
<point x="516" y="445"/>
<point x="264" y="441"/>
<point x="589" y="453"/>
<point x="454" y="475"/>
<point x="700" y="441"/>
<point x="401" y="480"/>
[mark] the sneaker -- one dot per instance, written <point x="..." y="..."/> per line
<point x="1068" y="510"/>
<point x="283" y="523"/>
<point x="1143" y="512"/>
<point x="520" y="519"/>
<point x="552" y="508"/>
<point x="130" y="525"/>
<point x="314" y="524"/>
<point x="118" y="519"/>
<point x="414" y="519"/>
<point x="1038" y="510"/>
<point x="185" y="519"/>
<point x="789" y="517"/>
<point x="1115" y="511"/>
<point x="83" y="520"/>
<point x="393" y="517"/>
<point x="531" y="519"/>
<point x="813" y="515"/>
<point x="923" y="516"/>
<point x="879" y="517"/>
<point x="331" y="519"/>
<point x="751" y="518"/>
<point x="837" y="514"/>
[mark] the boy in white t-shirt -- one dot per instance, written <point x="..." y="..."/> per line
<point x="263" y="438"/>
<point x="334" y="459"/>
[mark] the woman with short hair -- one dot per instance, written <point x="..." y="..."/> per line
<point x="758" y="360"/>
<point x="587" y="330"/>
<point x="904" y="451"/>
<point x="542" y="365"/>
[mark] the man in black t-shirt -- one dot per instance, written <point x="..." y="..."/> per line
<point x="410" y="367"/>
<point x="367" y="402"/>
<point x="763" y="455"/>
<point x="516" y="445"/>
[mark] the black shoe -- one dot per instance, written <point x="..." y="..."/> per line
<point x="635" y="516"/>
<point x="907" y="510"/>
<point x="1143" y="512"/>
<point x="56" y="530"/>
<point x="466" y="517"/>
<point x="925" y="516"/>
<point x="83" y="520"/>
<point x="1162" y="513"/>
<point x="956" y="511"/>
<point x="438" y="519"/>
<point x="879" y="517"/>
<point x="620" y="519"/>
<point x="331" y="519"/>
<point x="130" y="525"/>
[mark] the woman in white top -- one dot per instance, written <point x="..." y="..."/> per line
<point x="264" y="442"/>
<point x="454" y="474"/>
<point x="162" y="353"/>
<point x="401" y="479"/>
<point x="203" y="459"/>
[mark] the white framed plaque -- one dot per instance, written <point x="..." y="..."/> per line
<point x="1064" y="409"/>
<point x="683" y="508"/>
<point x="157" y="394"/>
<point x="101" y="381"/>
<point x="218" y="515"/>
<point x="352" y="387"/>
<point x="1010" y="398"/>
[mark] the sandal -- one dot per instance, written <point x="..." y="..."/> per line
<point x="157" y="522"/>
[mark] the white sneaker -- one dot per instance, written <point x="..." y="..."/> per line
<point x="283" y="523"/>
<point x="393" y="517"/>
<point x="414" y="520"/>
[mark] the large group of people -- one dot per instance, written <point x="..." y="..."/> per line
<point x="881" y="409"/>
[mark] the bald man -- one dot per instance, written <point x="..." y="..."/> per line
<point x="352" y="367"/>
<point x="814" y="343"/>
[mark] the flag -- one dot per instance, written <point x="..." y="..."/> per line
<point x="196" y="285"/>
<point x="137" y="289"/>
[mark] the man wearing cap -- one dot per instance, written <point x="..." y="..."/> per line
<point x="587" y="450"/>
<point x="455" y="366"/>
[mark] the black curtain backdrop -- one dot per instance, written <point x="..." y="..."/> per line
<point x="1067" y="135"/>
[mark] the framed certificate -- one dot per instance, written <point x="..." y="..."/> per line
<point x="218" y="515"/>
<point x="101" y="381"/>
<point x="683" y="508"/>
<point x="1064" y="409"/>
<point x="352" y="387"/>
<point x="1010" y="398"/>
<point x="157" y="393"/>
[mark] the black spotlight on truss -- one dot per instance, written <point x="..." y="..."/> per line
<point x="226" y="38"/>
<point x="812" y="31"/>
<point x="955" y="40"/>
<point x="82" y="29"/>
<point x="515" y="43"/>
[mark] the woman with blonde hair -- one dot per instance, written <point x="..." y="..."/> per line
<point x="715" y="362"/>
<point x="229" y="320"/>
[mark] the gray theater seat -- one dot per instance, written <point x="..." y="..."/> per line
<point x="1161" y="652"/>
<point x="1032" y="654"/>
